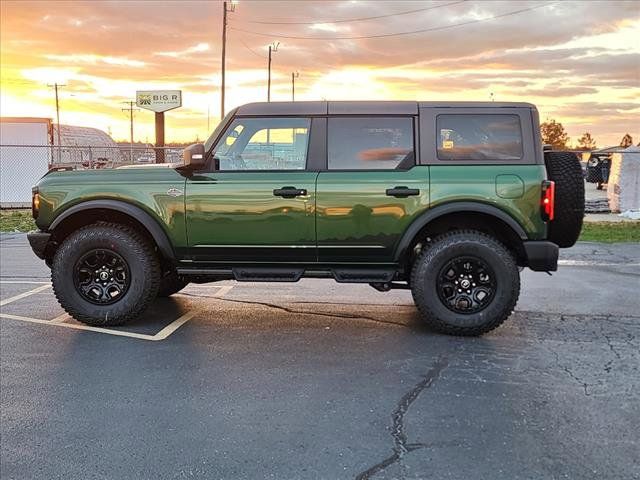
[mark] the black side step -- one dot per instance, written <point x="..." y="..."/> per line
<point x="266" y="274"/>
<point x="363" y="275"/>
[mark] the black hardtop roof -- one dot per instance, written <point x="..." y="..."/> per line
<point x="375" y="107"/>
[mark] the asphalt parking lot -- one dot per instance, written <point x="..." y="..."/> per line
<point x="324" y="380"/>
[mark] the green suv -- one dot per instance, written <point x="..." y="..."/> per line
<point x="447" y="199"/>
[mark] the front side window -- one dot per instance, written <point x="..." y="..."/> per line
<point x="264" y="144"/>
<point x="479" y="137"/>
<point x="370" y="143"/>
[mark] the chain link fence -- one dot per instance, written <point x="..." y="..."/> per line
<point x="21" y="166"/>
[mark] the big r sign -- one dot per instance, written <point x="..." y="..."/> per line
<point x="159" y="100"/>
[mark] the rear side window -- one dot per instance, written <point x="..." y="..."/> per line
<point x="479" y="137"/>
<point x="370" y="143"/>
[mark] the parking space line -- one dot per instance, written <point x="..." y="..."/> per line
<point x="24" y="295"/>
<point x="31" y="282"/>
<point x="60" y="321"/>
<point x="173" y="326"/>
<point x="590" y="263"/>
<point x="60" y="318"/>
<point x="109" y="331"/>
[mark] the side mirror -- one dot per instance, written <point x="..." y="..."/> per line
<point x="193" y="157"/>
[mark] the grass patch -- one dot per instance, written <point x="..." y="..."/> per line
<point x="610" y="232"/>
<point x="16" y="221"/>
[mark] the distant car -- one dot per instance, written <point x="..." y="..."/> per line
<point x="598" y="167"/>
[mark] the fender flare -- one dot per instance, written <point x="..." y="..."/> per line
<point x="148" y="222"/>
<point x="454" y="207"/>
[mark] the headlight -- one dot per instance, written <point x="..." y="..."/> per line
<point x="35" y="202"/>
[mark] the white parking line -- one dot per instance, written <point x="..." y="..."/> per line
<point x="590" y="263"/>
<point x="80" y="327"/>
<point x="23" y="295"/>
<point x="60" y="320"/>
<point x="31" y="282"/>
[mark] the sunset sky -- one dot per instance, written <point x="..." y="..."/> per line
<point x="579" y="62"/>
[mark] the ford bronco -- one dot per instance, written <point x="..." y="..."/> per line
<point x="448" y="199"/>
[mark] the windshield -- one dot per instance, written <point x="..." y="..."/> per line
<point x="212" y="138"/>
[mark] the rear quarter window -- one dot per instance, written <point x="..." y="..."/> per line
<point x="479" y="137"/>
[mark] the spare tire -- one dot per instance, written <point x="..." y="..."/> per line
<point x="565" y="170"/>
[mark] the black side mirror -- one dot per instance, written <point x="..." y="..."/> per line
<point x="193" y="157"/>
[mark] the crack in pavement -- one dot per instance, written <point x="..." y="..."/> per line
<point x="299" y="312"/>
<point x="400" y="441"/>
<point x="569" y="372"/>
<point x="607" y="366"/>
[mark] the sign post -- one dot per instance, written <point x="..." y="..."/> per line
<point x="159" y="101"/>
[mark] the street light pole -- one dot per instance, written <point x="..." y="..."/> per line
<point x="55" y="86"/>
<point x="272" y="48"/>
<point x="294" y="75"/>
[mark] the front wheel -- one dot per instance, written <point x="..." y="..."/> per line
<point x="105" y="274"/>
<point x="465" y="283"/>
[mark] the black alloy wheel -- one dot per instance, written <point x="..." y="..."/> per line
<point x="101" y="276"/>
<point x="466" y="285"/>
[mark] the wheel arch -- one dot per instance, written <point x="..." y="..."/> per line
<point x="93" y="211"/>
<point x="461" y="215"/>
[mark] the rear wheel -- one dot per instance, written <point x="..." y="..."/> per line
<point x="565" y="170"/>
<point x="105" y="274"/>
<point x="465" y="283"/>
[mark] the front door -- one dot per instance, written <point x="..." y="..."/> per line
<point x="372" y="189"/>
<point x="257" y="202"/>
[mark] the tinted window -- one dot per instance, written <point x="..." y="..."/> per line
<point x="479" y="137"/>
<point x="370" y="143"/>
<point x="264" y="144"/>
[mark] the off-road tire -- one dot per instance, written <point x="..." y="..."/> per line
<point x="565" y="170"/>
<point x="171" y="283"/>
<point x="464" y="243"/>
<point x="142" y="262"/>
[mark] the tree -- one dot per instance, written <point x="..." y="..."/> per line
<point x="626" y="141"/>
<point x="586" y="142"/>
<point x="553" y="134"/>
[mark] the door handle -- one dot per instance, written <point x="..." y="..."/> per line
<point x="402" y="192"/>
<point x="289" y="192"/>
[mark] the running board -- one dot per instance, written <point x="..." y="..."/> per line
<point x="288" y="274"/>
<point x="253" y="274"/>
<point x="363" y="275"/>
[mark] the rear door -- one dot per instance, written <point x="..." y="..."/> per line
<point x="371" y="190"/>
<point x="257" y="204"/>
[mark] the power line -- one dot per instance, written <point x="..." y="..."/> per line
<point x="397" y="34"/>
<point x="351" y="20"/>
<point x="249" y="48"/>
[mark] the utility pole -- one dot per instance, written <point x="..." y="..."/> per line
<point x="226" y="8"/>
<point x="294" y="75"/>
<point x="56" y="86"/>
<point x="130" y="109"/>
<point x="272" y="48"/>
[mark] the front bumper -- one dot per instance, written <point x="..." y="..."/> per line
<point x="38" y="241"/>
<point x="542" y="256"/>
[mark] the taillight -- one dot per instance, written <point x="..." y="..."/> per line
<point x="35" y="202"/>
<point x="547" y="203"/>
